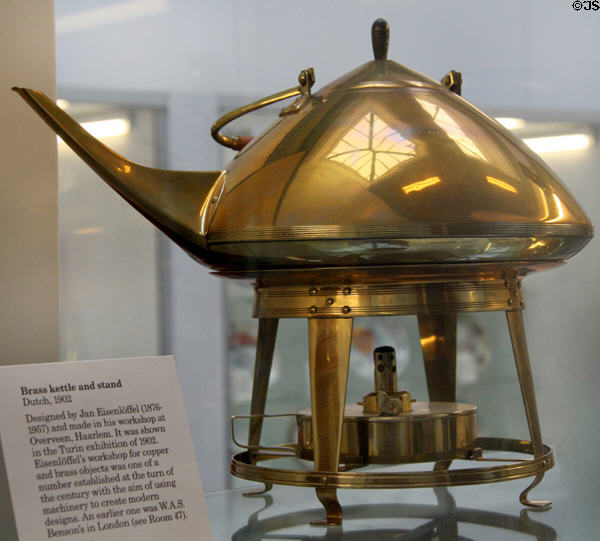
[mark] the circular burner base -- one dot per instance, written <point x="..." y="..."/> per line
<point x="431" y="431"/>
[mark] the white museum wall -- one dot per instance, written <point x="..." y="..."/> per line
<point x="533" y="56"/>
<point x="29" y="328"/>
<point x="28" y="217"/>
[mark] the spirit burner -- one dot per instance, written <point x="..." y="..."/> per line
<point x="384" y="193"/>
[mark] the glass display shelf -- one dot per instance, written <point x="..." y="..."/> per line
<point x="486" y="512"/>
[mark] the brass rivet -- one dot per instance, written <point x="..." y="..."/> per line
<point x="509" y="302"/>
<point x="347" y="290"/>
<point x="505" y="283"/>
<point x="329" y="301"/>
<point x="519" y="285"/>
<point x="313" y="290"/>
<point x="515" y="293"/>
<point x="346" y="309"/>
<point x="313" y="309"/>
<point x="522" y="302"/>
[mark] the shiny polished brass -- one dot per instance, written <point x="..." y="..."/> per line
<point x="242" y="467"/>
<point x="382" y="403"/>
<point x="179" y="203"/>
<point x="430" y="431"/>
<point x="383" y="166"/>
<point x="453" y="81"/>
<point x="386" y="299"/>
<point x="329" y="354"/>
<point x="267" y="332"/>
<point x="377" y="432"/>
<point x="265" y="345"/>
<point x="333" y="510"/>
<point x="519" y="344"/>
<point x="438" y="344"/>
<point x="306" y="79"/>
<point x="386" y="399"/>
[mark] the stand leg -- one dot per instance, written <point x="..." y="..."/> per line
<point x="438" y="343"/>
<point x="265" y="345"/>
<point x="519" y="344"/>
<point x="329" y="354"/>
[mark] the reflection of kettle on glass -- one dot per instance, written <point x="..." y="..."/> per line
<point x="383" y="166"/>
<point x="442" y="522"/>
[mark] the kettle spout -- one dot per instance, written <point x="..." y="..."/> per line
<point x="177" y="202"/>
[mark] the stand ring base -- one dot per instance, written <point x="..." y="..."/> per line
<point x="242" y="466"/>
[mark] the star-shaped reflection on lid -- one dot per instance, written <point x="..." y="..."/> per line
<point x="371" y="147"/>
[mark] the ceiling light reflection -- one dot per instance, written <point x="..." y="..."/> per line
<point x="371" y="147"/>
<point x="537" y="244"/>
<point x="559" y="143"/>
<point x="511" y="123"/>
<point x="501" y="184"/>
<point x="422" y="184"/>
<point x="428" y="340"/>
<point x="559" y="209"/>
<point x="451" y="127"/>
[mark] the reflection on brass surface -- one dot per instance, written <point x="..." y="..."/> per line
<point x="430" y="431"/>
<point x="384" y="193"/>
<point x="381" y="166"/>
<point x="438" y="344"/>
<point x="361" y="300"/>
<point x="242" y="467"/>
<point x="329" y="354"/>
<point x="306" y="79"/>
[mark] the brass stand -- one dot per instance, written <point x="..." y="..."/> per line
<point x="330" y="309"/>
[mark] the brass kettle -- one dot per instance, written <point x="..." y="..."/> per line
<point x="384" y="193"/>
<point x="383" y="166"/>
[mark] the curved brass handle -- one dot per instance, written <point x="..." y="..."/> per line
<point x="306" y="79"/>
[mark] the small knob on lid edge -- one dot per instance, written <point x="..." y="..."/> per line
<point x="380" y="38"/>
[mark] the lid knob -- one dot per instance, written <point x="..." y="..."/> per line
<point x="380" y="38"/>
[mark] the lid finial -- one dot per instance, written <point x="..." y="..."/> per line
<point x="380" y="37"/>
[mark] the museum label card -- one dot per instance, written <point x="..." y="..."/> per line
<point x="100" y="450"/>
